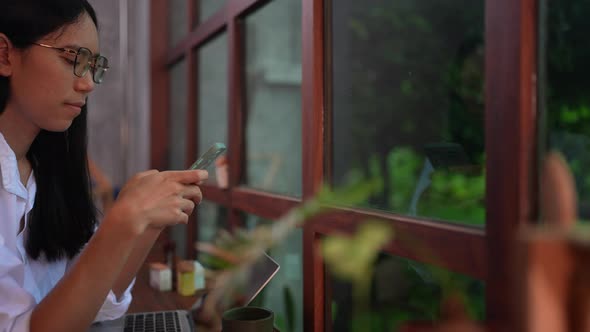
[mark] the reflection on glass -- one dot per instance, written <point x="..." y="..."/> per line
<point x="273" y="96"/>
<point x="206" y="8"/>
<point x="286" y="288"/>
<point x="212" y="218"/>
<point x="212" y="96"/>
<point x="402" y="291"/>
<point x="408" y="104"/>
<point x="177" y="21"/>
<point x="564" y="96"/>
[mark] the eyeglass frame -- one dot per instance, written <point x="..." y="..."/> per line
<point x="90" y="65"/>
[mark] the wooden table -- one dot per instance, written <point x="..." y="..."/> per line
<point x="146" y="298"/>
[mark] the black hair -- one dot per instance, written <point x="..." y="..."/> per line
<point x="63" y="217"/>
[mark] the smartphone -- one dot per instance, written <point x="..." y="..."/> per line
<point x="216" y="150"/>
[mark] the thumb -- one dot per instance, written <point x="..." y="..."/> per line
<point x="557" y="192"/>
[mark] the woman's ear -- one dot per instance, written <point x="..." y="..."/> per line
<point x="5" y="51"/>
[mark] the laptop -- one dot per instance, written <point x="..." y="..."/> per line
<point x="181" y="320"/>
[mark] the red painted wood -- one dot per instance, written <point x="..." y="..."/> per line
<point x="266" y="205"/>
<point x="510" y="128"/>
<point x="236" y="86"/>
<point x="159" y="122"/>
<point x="454" y="247"/>
<point x="192" y="112"/>
<point x="510" y="145"/>
<point x="216" y="195"/>
<point x="312" y="89"/>
<point x="203" y="32"/>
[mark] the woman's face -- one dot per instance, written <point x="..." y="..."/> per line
<point x="44" y="92"/>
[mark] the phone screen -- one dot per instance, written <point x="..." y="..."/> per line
<point x="209" y="156"/>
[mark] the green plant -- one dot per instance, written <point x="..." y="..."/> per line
<point x="352" y="257"/>
<point x="231" y="255"/>
<point x="349" y="257"/>
<point x="289" y="304"/>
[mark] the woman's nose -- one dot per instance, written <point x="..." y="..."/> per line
<point x="85" y="83"/>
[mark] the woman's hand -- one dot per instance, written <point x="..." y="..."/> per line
<point x="155" y="199"/>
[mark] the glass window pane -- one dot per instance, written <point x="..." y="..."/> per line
<point x="401" y="291"/>
<point x="178" y="21"/>
<point x="273" y="96"/>
<point x="178" y="116"/>
<point x="206" y="8"/>
<point x="564" y="96"/>
<point x="212" y="95"/>
<point x="212" y="218"/>
<point x="287" y="284"/>
<point x="408" y="104"/>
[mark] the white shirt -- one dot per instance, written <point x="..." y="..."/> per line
<point x="24" y="282"/>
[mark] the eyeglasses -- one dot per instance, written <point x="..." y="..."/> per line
<point x="83" y="60"/>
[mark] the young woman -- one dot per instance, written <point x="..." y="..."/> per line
<point x="59" y="269"/>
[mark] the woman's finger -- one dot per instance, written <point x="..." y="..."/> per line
<point x="182" y="217"/>
<point x="148" y="172"/>
<point x="187" y="177"/>
<point x="192" y="192"/>
<point x="187" y="206"/>
<point x="558" y="193"/>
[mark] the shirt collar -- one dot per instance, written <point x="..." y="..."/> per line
<point x="9" y="170"/>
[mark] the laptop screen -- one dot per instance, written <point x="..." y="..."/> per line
<point x="260" y="275"/>
<point x="262" y="272"/>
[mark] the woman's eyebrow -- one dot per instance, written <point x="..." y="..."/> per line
<point x="76" y="47"/>
<point x="72" y="46"/>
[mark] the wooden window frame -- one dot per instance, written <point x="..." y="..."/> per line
<point x="510" y="89"/>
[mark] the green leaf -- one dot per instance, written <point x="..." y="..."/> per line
<point x="350" y="257"/>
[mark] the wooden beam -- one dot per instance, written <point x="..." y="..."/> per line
<point x="312" y="88"/>
<point x="159" y="122"/>
<point x="510" y="42"/>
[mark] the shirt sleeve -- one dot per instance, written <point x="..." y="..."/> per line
<point x="114" y="307"/>
<point x="16" y="304"/>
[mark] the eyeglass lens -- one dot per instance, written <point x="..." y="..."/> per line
<point x="100" y="68"/>
<point x="84" y="61"/>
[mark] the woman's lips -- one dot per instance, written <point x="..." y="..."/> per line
<point x="75" y="107"/>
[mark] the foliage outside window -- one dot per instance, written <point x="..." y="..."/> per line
<point x="408" y="104"/>
<point x="565" y="89"/>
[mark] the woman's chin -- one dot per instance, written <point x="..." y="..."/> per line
<point x="58" y="126"/>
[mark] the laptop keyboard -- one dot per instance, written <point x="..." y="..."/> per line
<point x="153" y="322"/>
